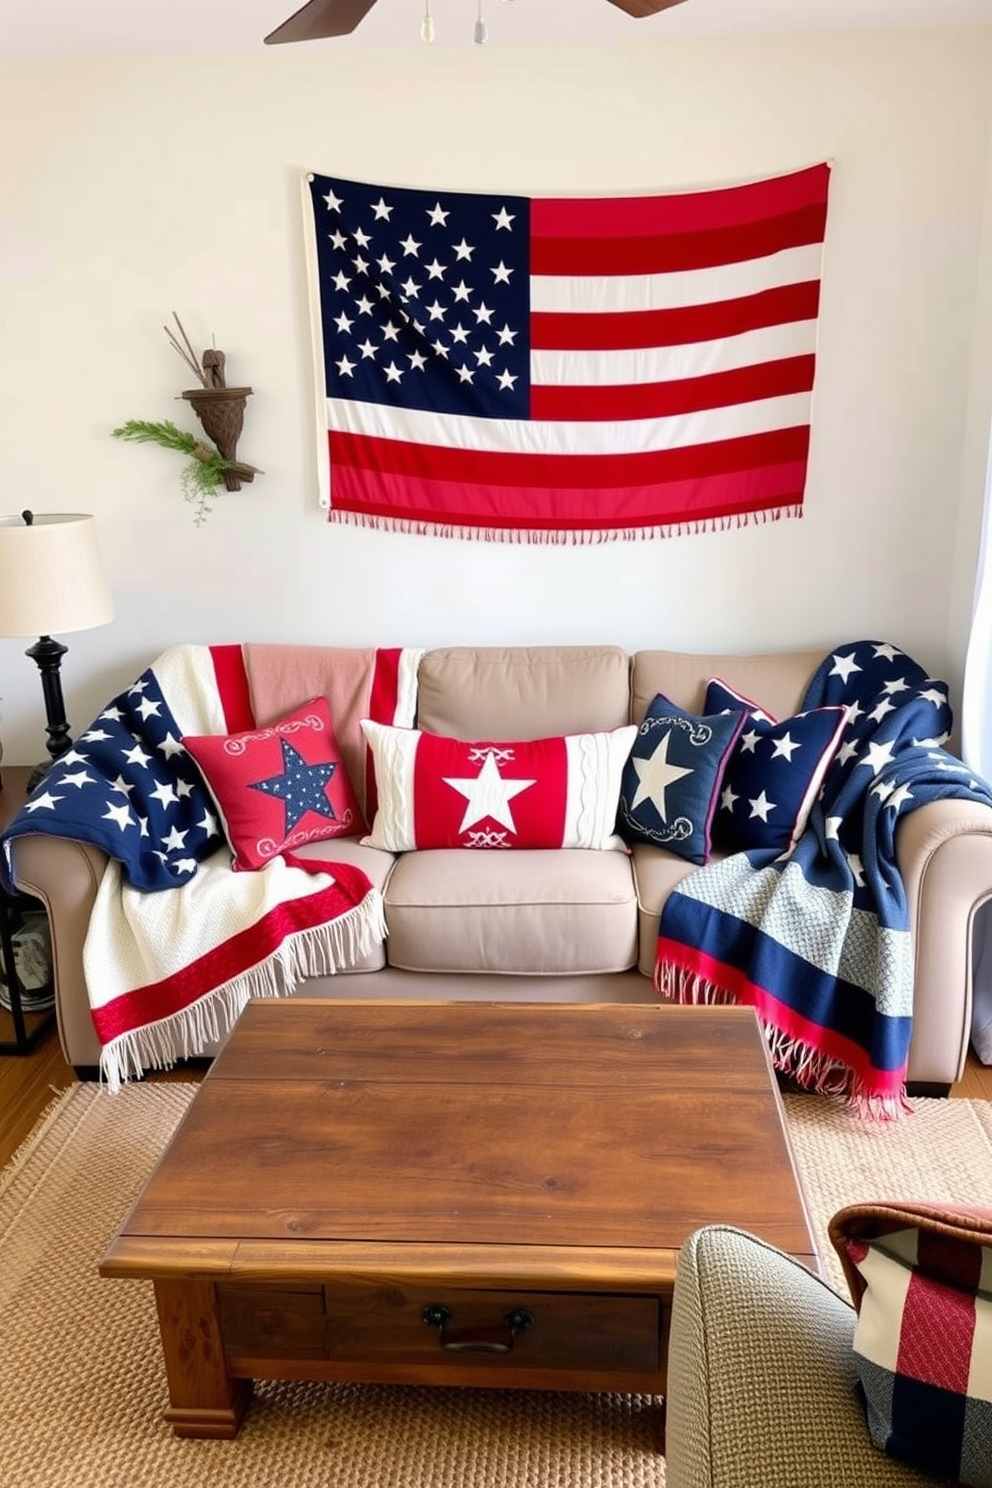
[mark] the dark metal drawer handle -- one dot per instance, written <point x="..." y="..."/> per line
<point x="498" y="1340"/>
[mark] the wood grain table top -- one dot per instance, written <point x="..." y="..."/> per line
<point x="559" y="1141"/>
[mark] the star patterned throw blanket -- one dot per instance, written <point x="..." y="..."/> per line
<point x="167" y="972"/>
<point x="817" y="940"/>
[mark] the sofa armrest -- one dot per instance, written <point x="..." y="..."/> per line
<point x="761" y="1376"/>
<point x="944" y="852"/>
<point x="65" y="876"/>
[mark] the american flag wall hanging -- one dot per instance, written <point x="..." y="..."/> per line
<point x="577" y="369"/>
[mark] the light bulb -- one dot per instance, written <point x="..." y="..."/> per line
<point x="481" y="34"/>
<point x="427" y="24"/>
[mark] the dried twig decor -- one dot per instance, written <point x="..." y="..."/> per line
<point x="221" y="411"/>
<point x="186" y="351"/>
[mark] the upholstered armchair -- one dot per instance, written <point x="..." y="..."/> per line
<point x="761" y="1376"/>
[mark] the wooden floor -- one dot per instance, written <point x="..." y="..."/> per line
<point x="29" y="1082"/>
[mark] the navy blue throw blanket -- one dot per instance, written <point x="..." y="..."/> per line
<point x="817" y="940"/>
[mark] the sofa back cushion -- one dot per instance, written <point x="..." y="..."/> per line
<point x="523" y="692"/>
<point x="776" y="682"/>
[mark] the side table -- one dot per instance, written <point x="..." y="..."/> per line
<point x="13" y="794"/>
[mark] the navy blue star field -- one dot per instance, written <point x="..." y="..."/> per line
<point x="422" y="295"/>
<point x="127" y="786"/>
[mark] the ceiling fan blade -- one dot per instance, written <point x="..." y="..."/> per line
<point x="641" y="8"/>
<point x="319" y="18"/>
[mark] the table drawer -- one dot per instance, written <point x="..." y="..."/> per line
<point x="369" y="1322"/>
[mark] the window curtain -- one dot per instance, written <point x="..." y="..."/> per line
<point x="976" y="749"/>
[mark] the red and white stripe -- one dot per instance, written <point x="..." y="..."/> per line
<point x="167" y="973"/>
<point x="673" y="345"/>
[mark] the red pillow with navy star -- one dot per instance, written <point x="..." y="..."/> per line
<point x="440" y="792"/>
<point x="279" y="787"/>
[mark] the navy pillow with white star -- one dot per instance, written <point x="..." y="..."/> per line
<point x="671" y="781"/>
<point x="775" y="773"/>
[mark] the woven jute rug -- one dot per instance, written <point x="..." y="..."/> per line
<point x="82" y="1387"/>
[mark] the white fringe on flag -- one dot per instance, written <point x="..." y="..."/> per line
<point x="321" y="951"/>
<point x="557" y="537"/>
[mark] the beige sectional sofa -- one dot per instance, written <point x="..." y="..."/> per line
<point x="567" y="924"/>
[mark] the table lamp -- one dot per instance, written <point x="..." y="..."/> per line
<point x="51" y="580"/>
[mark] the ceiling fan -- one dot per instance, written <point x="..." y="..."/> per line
<point x="319" y="18"/>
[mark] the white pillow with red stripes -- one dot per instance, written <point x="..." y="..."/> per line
<point x="539" y="793"/>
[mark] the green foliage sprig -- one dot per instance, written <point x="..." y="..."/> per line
<point x="201" y="476"/>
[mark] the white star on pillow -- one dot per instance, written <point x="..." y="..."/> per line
<point x="761" y="806"/>
<point x="488" y="794"/>
<point x="655" y="775"/>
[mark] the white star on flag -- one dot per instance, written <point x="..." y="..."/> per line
<point x="45" y="800"/>
<point x="899" y="797"/>
<point x="843" y="666"/>
<point x="877" y="756"/>
<point x="121" y="815"/>
<point x="78" y="778"/>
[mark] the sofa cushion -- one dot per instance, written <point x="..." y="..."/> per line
<point x="671" y="781"/>
<point x="523" y="692"/>
<point x="276" y="788"/>
<point x="775" y="772"/>
<point x="656" y="873"/>
<point x="441" y="792"/>
<point x="541" y="913"/>
<point x="921" y="1279"/>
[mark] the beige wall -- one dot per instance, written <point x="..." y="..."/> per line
<point x="132" y="188"/>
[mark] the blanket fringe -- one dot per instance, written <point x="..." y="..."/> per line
<point x="559" y="537"/>
<point x="320" y="951"/>
<point x="677" y="985"/>
<point x="805" y="1066"/>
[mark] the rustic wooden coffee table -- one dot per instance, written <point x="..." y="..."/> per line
<point x="451" y="1194"/>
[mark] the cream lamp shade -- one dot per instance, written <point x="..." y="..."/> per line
<point x="51" y="580"/>
<point x="51" y="577"/>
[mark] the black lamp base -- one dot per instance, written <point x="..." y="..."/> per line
<point x="48" y="654"/>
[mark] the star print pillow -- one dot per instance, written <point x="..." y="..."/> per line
<point x="671" y="781"/>
<point x="278" y="787"/>
<point x="775" y="772"/>
<point x="440" y="792"/>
